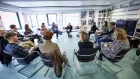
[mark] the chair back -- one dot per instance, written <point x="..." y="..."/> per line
<point x="121" y="54"/>
<point x="20" y="61"/>
<point x="46" y="59"/>
<point x="86" y="54"/>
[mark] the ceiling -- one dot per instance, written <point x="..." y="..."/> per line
<point x="45" y="5"/>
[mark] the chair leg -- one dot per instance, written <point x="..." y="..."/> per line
<point x="30" y="75"/>
<point x="46" y="72"/>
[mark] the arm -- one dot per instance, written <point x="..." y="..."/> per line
<point x="112" y="49"/>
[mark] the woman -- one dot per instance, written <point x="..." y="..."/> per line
<point x="99" y="33"/>
<point x="4" y="58"/>
<point x="27" y="30"/>
<point x="105" y="27"/>
<point x="84" y="41"/>
<point x="110" y="50"/>
<point x="52" y="50"/>
<point x="93" y="29"/>
<point x="43" y="27"/>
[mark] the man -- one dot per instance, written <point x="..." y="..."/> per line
<point x="55" y="30"/>
<point x="4" y="58"/>
<point x="69" y="29"/>
<point x="107" y="37"/>
<point x="14" y="48"/>
<point x="14" y="29"/>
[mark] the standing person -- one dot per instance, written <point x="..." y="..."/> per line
<point x="55" y="30"/>
<point x="14" y="29"/>
<point x="105" y="27"/>
<point x="4" y="58"/>
<point x="43" y="27"/>
<point x="69" y="29"/>
<point x="27" y="30"/>
<point x="93" y="29"/>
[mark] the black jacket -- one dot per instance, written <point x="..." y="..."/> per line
<point x="85" y="45"/>
<point x="69" y="28"/>
<point x="4" y="58"/>
<point x="94" y="28"/>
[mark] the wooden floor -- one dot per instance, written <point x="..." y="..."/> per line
<point x="68" y="45"/>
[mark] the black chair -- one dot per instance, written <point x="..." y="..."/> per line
<point x="117" y="59"/>
<point x="47" y="62"/>
<point x="23" y="61"/>
<point x="85" y="56"/>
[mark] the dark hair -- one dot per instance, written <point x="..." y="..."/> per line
<point x="26" y="27"/>
<point x="12" y="26"/>
<point x="105" y="23"/>
<point x="47" y="35"/>
<point x="112" y="23"/>
<point x="9" y="34"/>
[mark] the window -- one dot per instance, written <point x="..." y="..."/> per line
<point x="73" y="18"/>
<point x="42" y="19"/>
<point x="9" y="18"/>
<point x="29" y="20"/>
<point x="51" y="19"/>
<point x="34" y="21"/>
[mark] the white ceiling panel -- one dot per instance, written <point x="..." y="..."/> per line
<point x="62" y="3"/>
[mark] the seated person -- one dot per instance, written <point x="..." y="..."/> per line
<point x="108" y="36"/>
<point x="69" y="29"/>
<point x="82" y="28"/>
<point x="4" y="58"/>
<point x="55" y="29"/>
<point x="43" y="27"/>
<point x="93" y="29"/>
<point x="13" y="47"/>
<point x="28" y="31"/>
<point x="84" y="41"/>
<point x="50" y="48"/>
<point x="14" y="29"/>
<point x="110" y="50"/>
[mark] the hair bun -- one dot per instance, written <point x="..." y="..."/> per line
<point x="47" y="35"/>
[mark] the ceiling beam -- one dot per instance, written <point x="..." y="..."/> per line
<point x="46" y="0"/>
<point x="68" y="6"/>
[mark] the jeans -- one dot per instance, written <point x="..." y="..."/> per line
<point x="100" y="39"/>
<point x="57" y="32"/>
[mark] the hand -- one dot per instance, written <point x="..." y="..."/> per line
<point x="106" y="44"/>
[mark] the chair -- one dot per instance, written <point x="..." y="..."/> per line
<point x="47" y="62"/>
<point x="86" y="56"/>
<point x="117" y="59"/>
<point x="23" y="61"/>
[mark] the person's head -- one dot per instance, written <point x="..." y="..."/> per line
<point x="94" y="23"/>
<point x="47" y="35"/>
<point x="84" y="36"/>
<point x="27" y="27"/>
<point x="11" y="37"/>
<point x="53" y="23"/>
<point x="105" y="23"/>
<point x="69" y="24"/>
<point x="13" y="27"/>
<point x="120" y="34"/>
<point x="111" y="25"/>
<point x="43" y="25"/>
<point x="2" y="32"/>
